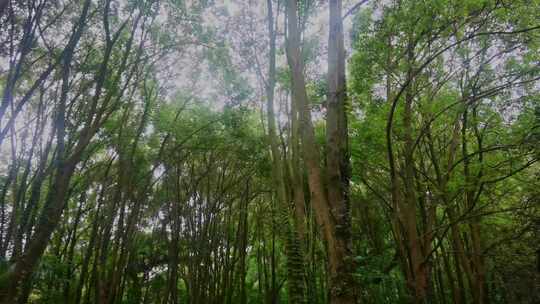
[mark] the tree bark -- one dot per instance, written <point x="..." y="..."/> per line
<point x="338" y="159"/>
<point x="339" y="263"/>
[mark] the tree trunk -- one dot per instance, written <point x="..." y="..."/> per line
<point x="339" y="263"/>
<point x="337" y="160"/>
<point x="290" y="232"/>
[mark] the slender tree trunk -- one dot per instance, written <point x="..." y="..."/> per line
<point x="479" y="286"/>
<point x="11" y="282"/>
<point x="291" y="233"/>
<point x="71" y="251"/>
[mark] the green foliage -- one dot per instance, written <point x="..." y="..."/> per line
<point x="171" y="194"/>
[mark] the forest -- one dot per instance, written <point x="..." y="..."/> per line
<point x="269" y="151"/>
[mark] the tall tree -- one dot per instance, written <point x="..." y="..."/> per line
<point x="333" y="225"/>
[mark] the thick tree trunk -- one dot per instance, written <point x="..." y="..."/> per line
<point x="337" y="160"/>
<point x="339" y="263"/>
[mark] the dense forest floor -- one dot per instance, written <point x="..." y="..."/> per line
<point x="270" y="151"/>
